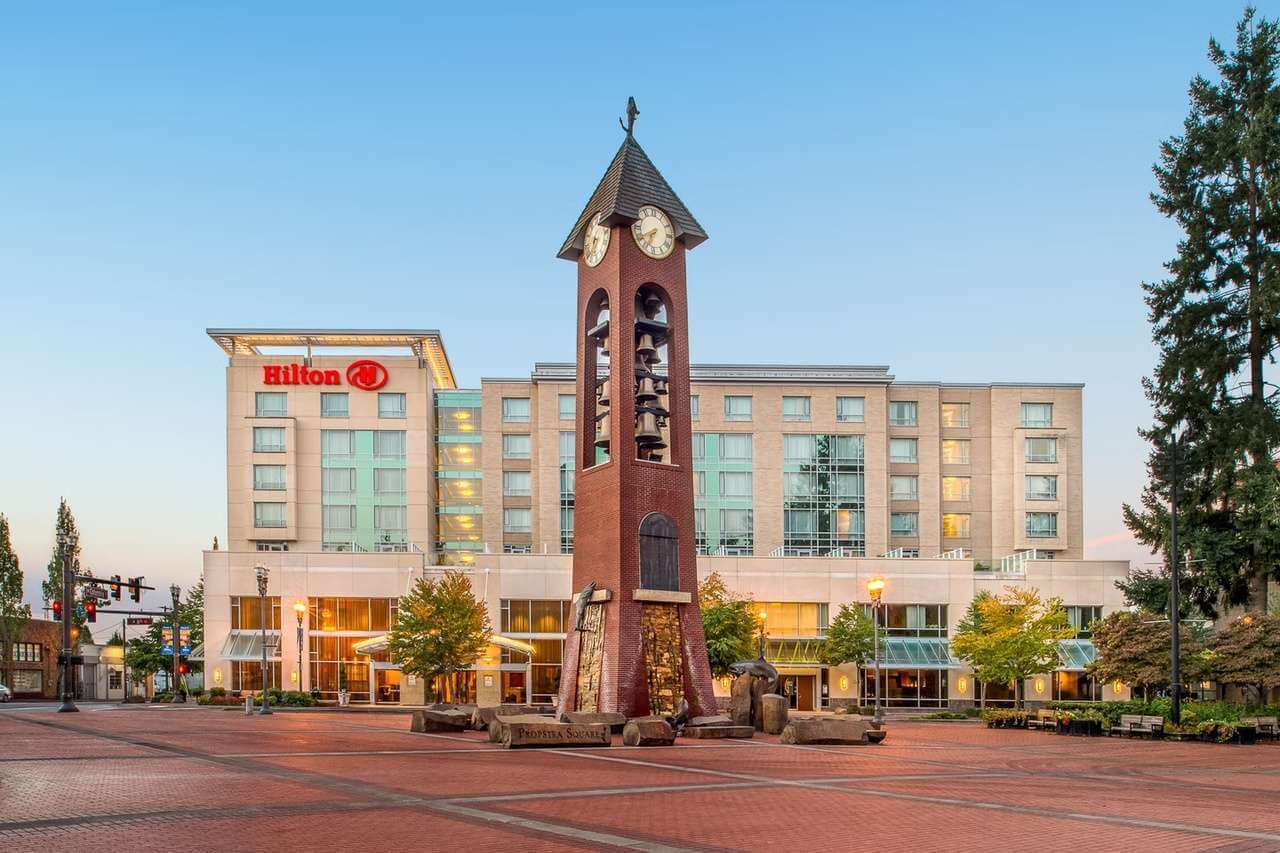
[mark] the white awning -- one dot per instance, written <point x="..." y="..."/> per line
<point x="197" y="654"/>
<point x="247" y="645"/>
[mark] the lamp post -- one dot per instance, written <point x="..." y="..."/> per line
<point x="299" y="610"/>
<point x="1175" y="595"/>
<point x="175" y="592"/>
<point x="761" y="635"/>
<point x="875" y="586"/>
<point x="261" y="572"/>
<point x="67" y="542"/>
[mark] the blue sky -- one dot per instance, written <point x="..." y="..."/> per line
<point x="958" y="193"/>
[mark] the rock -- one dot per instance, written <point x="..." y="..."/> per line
<point x="498" y="723"/>
<point x="448" y="720"/>
<point x="705" y="732"/>
<point x="612" y="719"/>
<point x="711" y="720"/>
<point x="648" y="731"/>
<point x="519" y="733"/>
<point x="758" y="688"/>
<point x="775" y="710"/>
<point x="481" y="717"/>
<point x="827" y="730"/>
<point x="740" y="700"/>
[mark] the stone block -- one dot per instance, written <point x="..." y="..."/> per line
<point x="445" y="720"/>
<point x="711" y="732"/>
<point x="711" y="720"/>
<point x="827" y="730"/>
<point x="498" y="724"/>
<point x="648" y="732"/>
<point x="740" y="700"/>
<point x="481" y="717"/>
<point x="612" y="719"/>
<point x="775" y="711"/>
<point x="523" y="734"/>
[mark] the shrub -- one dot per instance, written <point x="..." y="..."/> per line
<point x="162" y="697"/>
<point x="1005" y="718"/>
<point x="945" y="715"/>
<point x="217" y="691"/>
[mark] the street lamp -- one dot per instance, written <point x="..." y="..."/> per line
<point x="299" y="610"/>
<point x="175" y="592"/>
<point x="261" y="572"/>
<point x="761" y="635"/>
<point x="875" y="586"/>
<point x="1175" y="603"/>
<point x="67" y="542"/>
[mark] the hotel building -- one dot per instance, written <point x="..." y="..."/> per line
<point x="355" y="466"/>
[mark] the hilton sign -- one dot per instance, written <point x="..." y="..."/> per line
<point x="365" y="374"/>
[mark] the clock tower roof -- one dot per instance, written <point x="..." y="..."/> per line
<point x="630" y="182"/>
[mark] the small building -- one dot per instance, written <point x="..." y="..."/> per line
<point x="33" y="666"/>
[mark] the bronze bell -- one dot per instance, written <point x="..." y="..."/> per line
<point x="651" y="305"/>
<point x="646" y="394"/>
<point x="647" y="433"/>
<point x="602" y="430"/>
<point x="602" y="393"/>
<point x="645" y="350"/>
<point x="660" y="385"/>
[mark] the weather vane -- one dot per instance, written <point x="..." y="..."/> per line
<point x="632" y="112"/>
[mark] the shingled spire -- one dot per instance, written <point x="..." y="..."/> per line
<point x="631" y="181"/>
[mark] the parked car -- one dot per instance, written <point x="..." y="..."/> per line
<point x="6" y="695"/>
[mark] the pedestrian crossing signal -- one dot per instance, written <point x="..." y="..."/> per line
<point x="90" y="611"/>
<point x="57" y="611"/>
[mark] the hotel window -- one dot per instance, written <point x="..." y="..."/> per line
<point x="388" y="444"/>
<point x="268" y="439"/>
<point x="339" y="517"/>
<point x="1081" y="617"/>
<point x="955" y="415"/>
<point x="393" y="519"/>
<point x="735" y="447"/>
<point x="567" y="407"/>
<point x="1042" y="450"/>
<point x="268" y="514"/>
<point x="737" y="408"/>
<point x="567" y="483"/>
<point x="271" y="545"/>
<point x="955" y="488"/>
<point x="903" y="413"/>
<point x="516" y="519"/>
<point x="271" y="404"/>
<point x="699" y="484"/>
<point x="1042" y="525"/>
<point x="735" y="484"/>
<point x="795" y="408"/>
<point x="1042" y="487"/>
<point x="793" y="619"/>
<point x="955" y="525"/>
<point x="268" y="478"/>
<point x="693" y="406"/>
<point x="735" y="530"/>
<point x="1037" y="414"/>
<point x="516" y="446"/>
<point x="388" y="481"/>
<point x="955" y="451"/>
<point x="337" y="442"/>
<point x="904" y="524"/>
<point x="515" y="410"/>
<point x="340" y="481"/>
<point x="335" y="405"/>
<point x="850" y="409"/>
<point x="517" y="484"/>
<point x="247" y="613"/>
<point x="904" y="450"/>
<point x="904" y="488"/>
<point x="391" y="406"/>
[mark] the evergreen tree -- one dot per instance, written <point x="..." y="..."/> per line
<point x="1216" y="321"/>
<point x="850" y="637"/>
<point x="13" y="613"/>
<point x="728" y="623"/>
<point x="51" y="586"/>
<point x="441" y="629"/>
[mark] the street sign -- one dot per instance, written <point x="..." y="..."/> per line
<point x="166" y="641"/>
<point x="95" y="592"/>
<point x="138" y="620"/>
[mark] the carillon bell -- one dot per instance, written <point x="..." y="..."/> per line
<point x="660" y="385"/>
<point x="646" y="393"/>
<point x="602" y="393"/>
<point x="602" y="430"/>
<point x="647" y="433"/>
<point x="645" y="350"/>
<point x="651" y="305"/>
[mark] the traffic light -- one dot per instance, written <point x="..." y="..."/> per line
<point x="115" y="587"/>
<point x="57" y="611"/>
<point x="91" y="611"/>
<point x="135" y="589"/>
<point x="183" y="669"/>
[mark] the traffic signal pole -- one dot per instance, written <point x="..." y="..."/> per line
<point x="67" y="704"/>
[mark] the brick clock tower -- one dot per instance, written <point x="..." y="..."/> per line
<point x="636" y="645"/>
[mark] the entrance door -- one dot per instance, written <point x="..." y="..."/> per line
<point x="386" y="687"/>
<point x="805" y="689"/>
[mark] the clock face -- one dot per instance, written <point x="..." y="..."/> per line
<point x="596" y="242"/>
<point x="653" y="232"/>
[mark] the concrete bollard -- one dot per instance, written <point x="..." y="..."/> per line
<point x="248" y="705"/>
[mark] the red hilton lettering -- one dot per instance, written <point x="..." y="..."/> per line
<point x="271" y="374"/>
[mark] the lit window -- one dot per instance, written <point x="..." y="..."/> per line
<point x="515" y="409"/>
<point x="955" y="525"/>
<point x="693" y="406"/>
<point x="795" y="408"/>
<point x="955" y="415"/>
<point x="271" y="404"/>
<point x="904" y="524"/>
<point x="903" y="413"/>
<point x="1042" y="450"/>
<point x="268" y="478"/>
<point x="1037" y="414"/>
<point x="391" y="406"/>
<point x="850" y="409"/>
<point x="516" y="446"/>
<point x="1042" y="487"/>
<point x="904" y="488"/>
<point x="268" y="439"/>
<point x="516" y="519"/>
<point x="1042" y="525"/>
<point x="334" y="405"/>
<point x="903" y="450"/>
<point x="955" y="452"/>
<point x="517" y="484"/>
<point x="955" y="488"/>
<point x="737" y="408"/>
<point x="268" y="514"/>
<point x="567" y="407"/>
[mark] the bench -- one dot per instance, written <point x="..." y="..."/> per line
<point x="1139" y="724"/>
<point x="1266" y="726"/>
<point x="1044" y="720"/>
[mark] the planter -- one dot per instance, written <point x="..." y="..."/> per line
<point x="343" y="698"/>
<point x="1082" y="728"/>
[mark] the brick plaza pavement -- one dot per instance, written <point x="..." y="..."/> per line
<point x="190" y="778"/>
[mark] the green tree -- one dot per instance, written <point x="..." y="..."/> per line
<point x="1012" y="636"/>
<point x="143" y="656"/>
<point x="727" y="622"/>
<point x="1134" y="647"/>
<point x="1246" y="653"/>
<point x="13" y="613"/>
<point x="1216" y="322"/>
<point x="116" y="638"/>
<point x="51" y="586"/>
<point x="1148" y="590"/>
<point x="191" y="612"/>
<point x="440" y="631"/>
<point x="850" y="637"/>
<point x="971" y="625"/>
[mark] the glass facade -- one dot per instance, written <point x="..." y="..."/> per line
<point x="363" y="498"/>
<point x="793" y="619"/>
<point x="542" y="624"/>
<point x="336" y="626"/>
<point x="723" y="492"/>
<point x="567" y="479"/>
<point x="824" y="497"/>
<point x="459" y="498"/>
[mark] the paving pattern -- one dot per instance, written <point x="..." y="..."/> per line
<point x="167" y="778"/>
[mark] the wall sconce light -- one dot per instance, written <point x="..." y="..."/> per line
<point x="962" y="684"/>
<point x="1039" y="686"/>
<point x="217" y="675"/>
<point x="1117" y="686"/>
<point x="844" y="682"/>
<point x="1206" y="685"/>
<point x="293" y="676"/>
